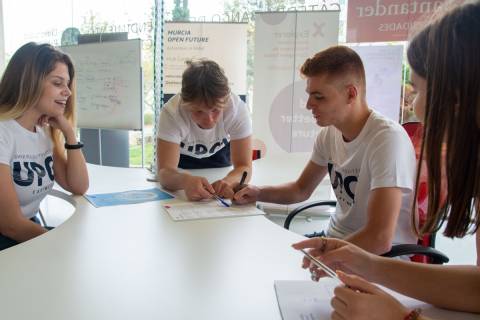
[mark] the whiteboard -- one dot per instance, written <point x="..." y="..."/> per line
<point x="109" y="84"/>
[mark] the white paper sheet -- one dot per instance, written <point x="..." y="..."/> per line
<point x="179" y="211"/>
<point x="308" y="300"/>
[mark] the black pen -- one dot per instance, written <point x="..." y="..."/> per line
<point x="244" y="176"/>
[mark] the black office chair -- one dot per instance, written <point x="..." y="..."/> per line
<point x="424" y="251"/>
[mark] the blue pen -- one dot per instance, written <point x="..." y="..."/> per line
<point x="221" y="200"/>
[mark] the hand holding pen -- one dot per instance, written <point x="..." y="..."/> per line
<point x="198" y="188"/>
<point x="339" y="255"/>
<point x="319" y="264"/>
<point x="222" y="201"/>
<point x="223" y="189"/>
<point x="242" y="184"/>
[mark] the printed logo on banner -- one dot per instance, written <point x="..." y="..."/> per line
<point x="386" y="20"/>
<point x="283" y="41"/>
<point x="292" y="125"/>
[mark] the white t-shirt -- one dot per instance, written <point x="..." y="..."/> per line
<point x="29" y="155"/>
<point x="381" y="156"/>
<point x="176" y="125"/>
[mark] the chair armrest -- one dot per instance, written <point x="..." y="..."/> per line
<point x="408" y="249"/>
<point x="304" y="207"/>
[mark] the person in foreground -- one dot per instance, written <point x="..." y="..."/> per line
<point x="205" y="126"/>
<point x="37" y="108"/>
<point x="446" y="75"/>
<point x="369" y="158"/>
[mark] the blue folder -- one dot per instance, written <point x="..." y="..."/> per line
<point x="127" y="197"/>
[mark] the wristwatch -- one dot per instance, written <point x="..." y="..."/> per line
<point x="74" y="146"/>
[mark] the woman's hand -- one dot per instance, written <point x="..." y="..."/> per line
<point x="338" y="255"/>
<point x="361" y="300"/>
<point x="223" y="189"/>
<point x="198" y="188"/>
<point x="61" y="123"/>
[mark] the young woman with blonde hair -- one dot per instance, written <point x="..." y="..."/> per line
<point x="38" y="144"/>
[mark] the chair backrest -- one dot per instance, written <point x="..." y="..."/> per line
<point x="256" y="154"/>
<point x="415" y="132"/>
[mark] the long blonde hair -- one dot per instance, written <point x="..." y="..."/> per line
<point x="22" y="83"/>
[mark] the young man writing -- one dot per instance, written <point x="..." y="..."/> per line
<point x="370" y="159"/>
<point x="204" y="126"/>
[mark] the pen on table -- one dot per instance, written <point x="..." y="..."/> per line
<point x="221" y="200"/>
<point x="322" y="266"/>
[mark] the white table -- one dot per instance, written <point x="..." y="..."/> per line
<point x="134" y="262"/>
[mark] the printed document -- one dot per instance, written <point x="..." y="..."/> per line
<point x="185" y="210"/>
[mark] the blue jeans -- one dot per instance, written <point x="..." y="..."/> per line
<point x="6" y="242"/>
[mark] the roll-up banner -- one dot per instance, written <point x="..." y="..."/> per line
<point x="283" y="41"/>
<point x="224" y="43"/>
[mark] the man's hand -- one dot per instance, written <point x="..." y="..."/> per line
<point x="198" y="188"/>
<point x="248" y="194"/>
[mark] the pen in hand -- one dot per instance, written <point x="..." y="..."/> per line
<point x="220" y="200"/>
<point x="244" y="176"/>
<point x="241" y="185"/>
<point x="322" y="266"/>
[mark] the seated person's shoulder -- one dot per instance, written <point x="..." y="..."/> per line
<point x="7" y="129"/>
<point x="173" y="122"/>
<point x="235" y="108"/>
<point x="235" y="103"/>
<point x="383" y="128"/>
<point x="172" y="106"/>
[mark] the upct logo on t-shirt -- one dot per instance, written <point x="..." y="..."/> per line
<point x="344" y="187"/>
<point x="26" y="172"/>
<point x="200" y="149"/>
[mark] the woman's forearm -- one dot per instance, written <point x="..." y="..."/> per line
<point x="22" y="230"/>
<point x="77" y="173"/>
<point x="450" y="287"/>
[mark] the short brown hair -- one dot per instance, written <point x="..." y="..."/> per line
<point x="336" y="61"/>
<point x="204" y="81"/>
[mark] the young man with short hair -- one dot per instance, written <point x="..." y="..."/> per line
<point x="370" y="159"/>
<point x="205" y="126"/>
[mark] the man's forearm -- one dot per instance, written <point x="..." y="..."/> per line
<point x="374" y="242"/>
<point x="283" y="194"/>
<point x="172" y="179"/>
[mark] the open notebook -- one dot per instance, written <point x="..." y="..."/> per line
<point x="309" y="300"/>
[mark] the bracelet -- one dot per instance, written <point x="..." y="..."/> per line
<point x="73" y="146"/>
<point x="413" y="315"/>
